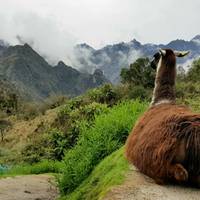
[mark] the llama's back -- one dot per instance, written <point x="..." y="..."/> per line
<point x="153" y="143"/>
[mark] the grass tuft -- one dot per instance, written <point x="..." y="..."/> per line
<point x="111" y="171"/>
<point x="44" y="166"/>
<point x="108" y="134"/>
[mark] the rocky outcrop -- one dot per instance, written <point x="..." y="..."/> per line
<point x="140" y="187"/>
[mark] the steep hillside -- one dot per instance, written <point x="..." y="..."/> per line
<point x="36" y="79"/>
<point x="111" y="58"/>
<point x="21" y="132"/>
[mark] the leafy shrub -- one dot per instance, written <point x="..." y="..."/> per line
<point x="105" y="95"/>
<point x="188" y="93"/>
<point x="9" y="103"/>
<point x="108" y="133"/>
<point x="187" y="89"/>
<point x="9" y="99"/>
<point x="123" y="91"/>
<point x="57" y="144"/>
<point x="139" y="73"/>
<point x="180" y="90"/>
<point x="193" y="103"/>
<point x="90" y="111"/>
<point x="70" y="118"/>
<point x="34" y="151"/>
<point x="139" y="92"/>
<point x="76" y="102"/>
<point x="52" y="143"/>
<point x="194" y="72"/>
<point x="71" y="105"/>
<point x="84" y="115"/>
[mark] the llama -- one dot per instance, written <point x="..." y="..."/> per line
<point x="165" y="142"/>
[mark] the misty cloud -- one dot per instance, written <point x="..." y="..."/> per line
<point x="43" y="34"/>
<point x="54" y="27"/>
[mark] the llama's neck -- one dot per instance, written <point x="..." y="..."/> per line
<point x="164" y="90"/>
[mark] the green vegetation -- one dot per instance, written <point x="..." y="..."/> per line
<point x="194" y="72"/>
<point x="188" y="86"/>
<point x="108" y="133"/>
<point x="111" y="171"/>
<point x="91" y="188"/>
<point x="83" y="142"/>
<point x="45" y="166"/>
<point x="8" y="97"/>
<point x="139" y="73"/>
<point x="105" y="95"/>
<point x="140" y="79"/>
<point x="188" y="93"/>
<point x="50" y="145"/>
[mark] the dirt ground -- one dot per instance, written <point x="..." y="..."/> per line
<point x="139" y="187"/>
<point x="29" y="187"/>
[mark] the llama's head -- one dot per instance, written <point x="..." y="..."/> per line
<point x="168" y="57"/>
<point x="165" y="64"/>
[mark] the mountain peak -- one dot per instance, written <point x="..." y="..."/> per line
<point x="98" y="72"/>
<point x="85" y="46"/>
<point x="134" y="40"/>
<point x="26" y="45"/>
<point x="3" y="43"/>
<point x="61" y="63"/>
<point x="135" y="43"/>
<point x="20" y="49"/>
<point x="196" y="38"/>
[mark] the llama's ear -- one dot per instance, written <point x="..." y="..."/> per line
<point x="162" y="52"/>
<point x="181" y="53"/>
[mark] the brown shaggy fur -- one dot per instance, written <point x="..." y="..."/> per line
<point x="165" y="142"/>
<point x="164" y="136"/>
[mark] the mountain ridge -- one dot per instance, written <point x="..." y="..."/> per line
<point x="36" y="79"/>
<point x="111" y="58"/>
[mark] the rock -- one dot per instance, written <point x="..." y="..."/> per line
<point x="140" y="187"/>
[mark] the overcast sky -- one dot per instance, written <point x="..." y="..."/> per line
<point x="57" y="25"/>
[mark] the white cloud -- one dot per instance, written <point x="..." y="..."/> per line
<point x="55" y="26"/>
<point x="44" y="34"/>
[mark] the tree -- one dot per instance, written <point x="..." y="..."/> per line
<point x="139" y="73"/>
<point x="181" y="74"/>
<point x="4" y="125"/>
<point x="194" y="72"/>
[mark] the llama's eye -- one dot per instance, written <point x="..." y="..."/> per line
<point x="157" y="56"/>
<point x="154" y="61"/>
